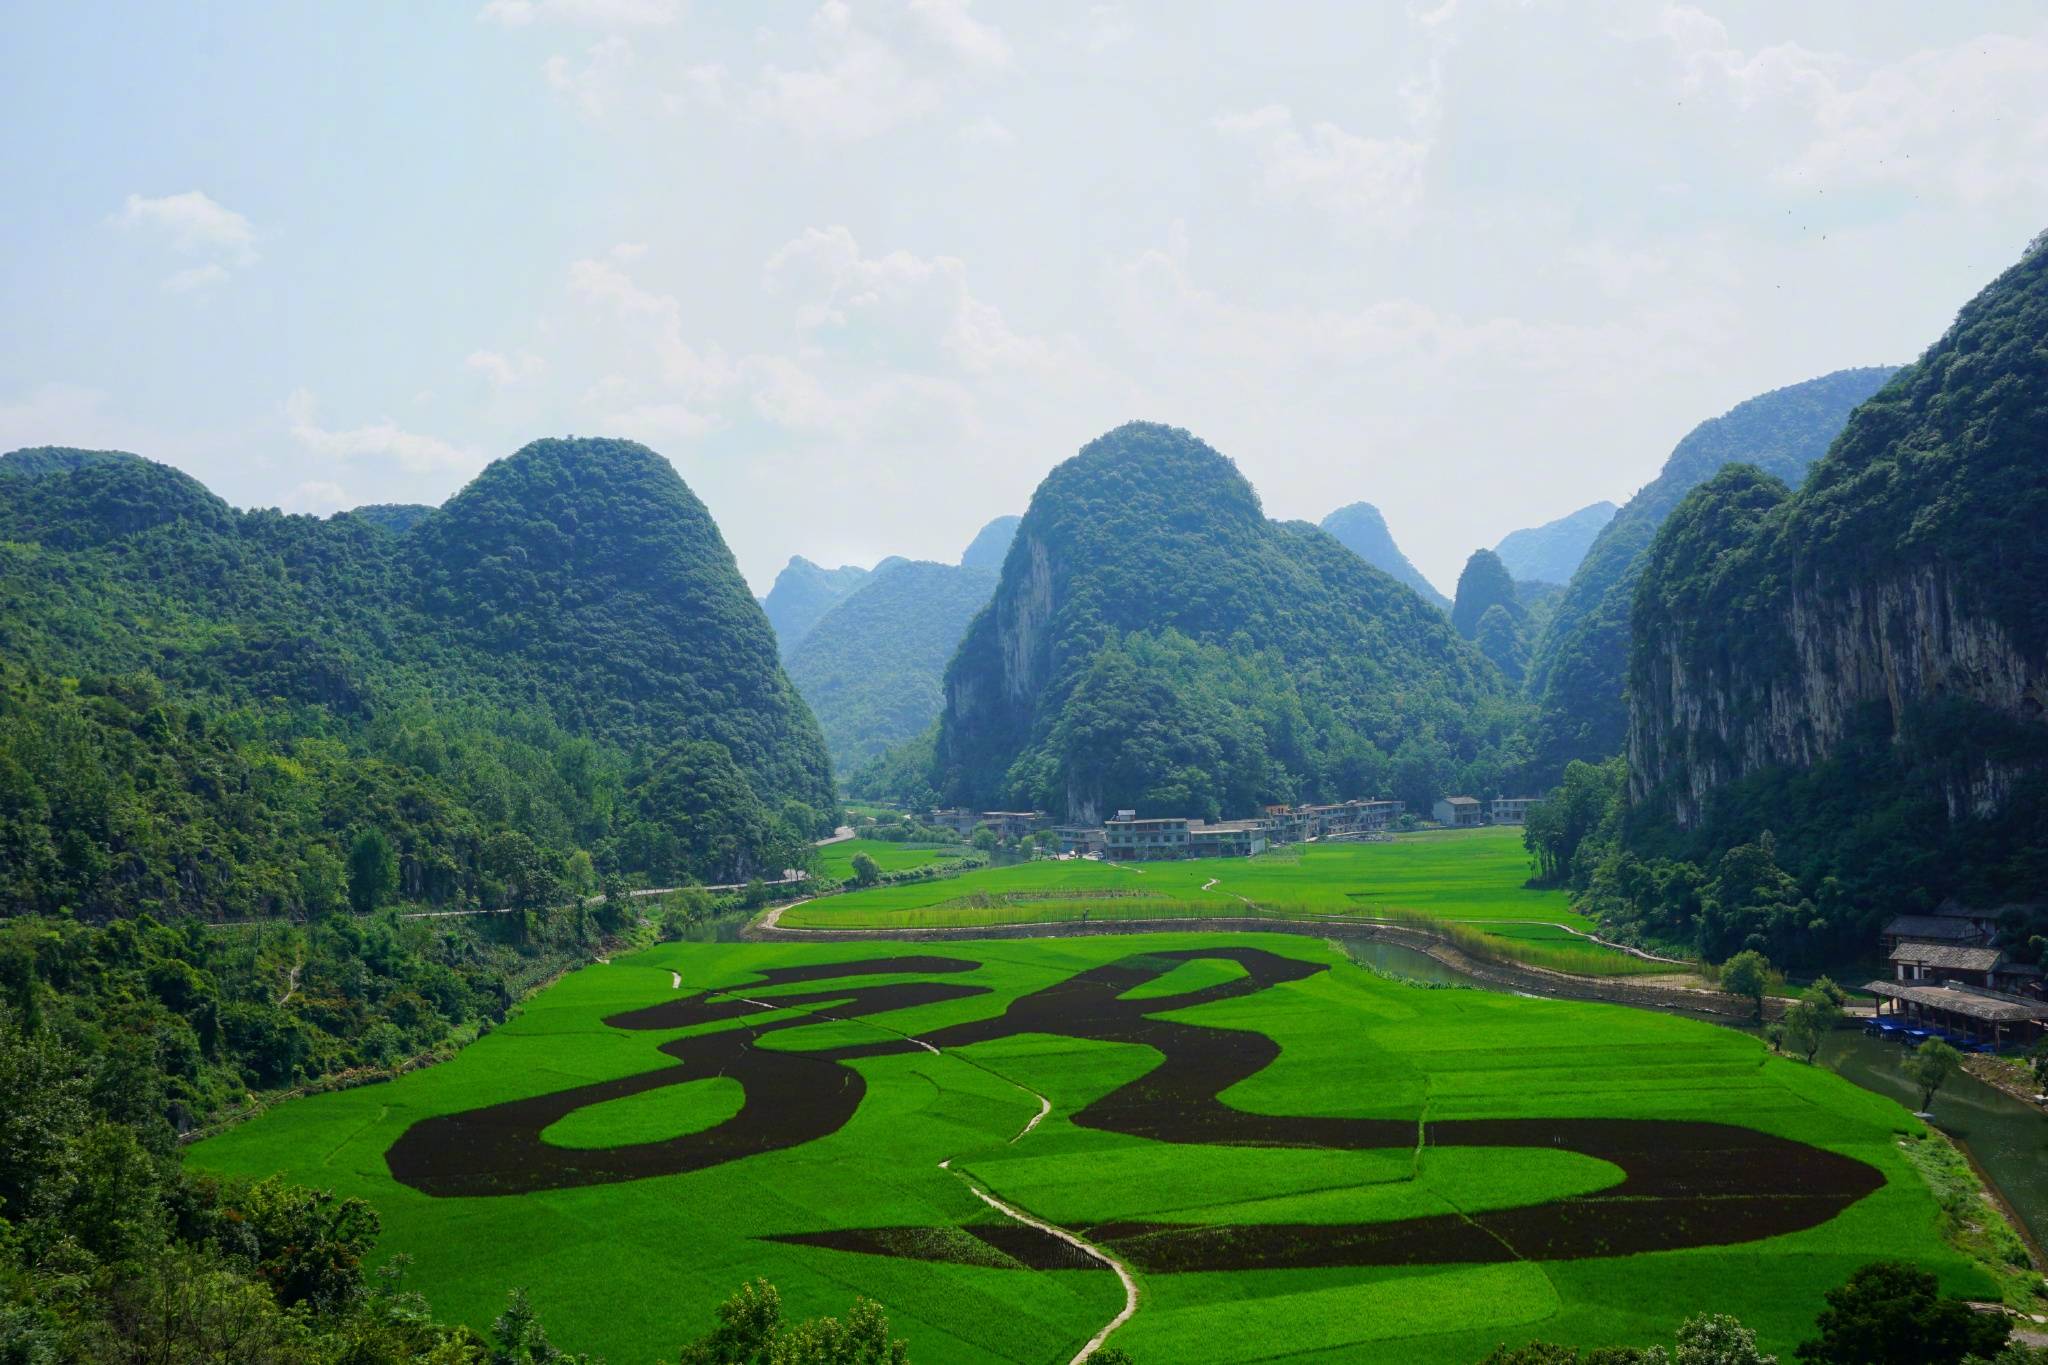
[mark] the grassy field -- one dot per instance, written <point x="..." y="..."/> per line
<point x="1464" y="876"/>
<point x="835" y="861"/>
<point x="1355" y="1109"/>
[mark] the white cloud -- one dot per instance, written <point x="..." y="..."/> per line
<point x="603" y="13"/>
<point x="698" y="374"/>
<point x="905" y="302"/>
<point x="379" y="441"/>
<point x="1102" y="28"/>
<point x="503" y="370"/>
<point x="195" y="278"/>
<point x="194" y="224"/>
<point x="858" y="80"/>
<point x="1373" y="182"/>
<point x="595" y="83"/>
<point x="1965" y="120"/>
<point x="963" y="37"/>
<point x="654" y="422"/>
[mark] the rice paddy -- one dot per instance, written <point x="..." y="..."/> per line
<point x="1293" y="1157"/>
<point x="1465" y="877"/>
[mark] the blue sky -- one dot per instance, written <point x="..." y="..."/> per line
<point x="864" y="272"/>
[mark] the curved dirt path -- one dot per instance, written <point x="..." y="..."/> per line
<point x="1086" y="1248"/>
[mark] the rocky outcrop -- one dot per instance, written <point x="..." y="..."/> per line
<point x="1697" y="723"/>
<point x="1895" y="602"/>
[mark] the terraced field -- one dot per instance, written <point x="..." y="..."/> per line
<point x="1291" y="1156"/>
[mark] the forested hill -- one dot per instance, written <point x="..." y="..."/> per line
<point x="872" y="669"/>
<point x="802" y="593"/>
<point x="1551" y="553"/>
<point x="1361" y="529"/>
<point x="1860" y="667"/>
<point x="1578" y="666"/>
<point x="1156" y="642"/>
<point x="558" y="676"/>
<point x="395" y="517"/>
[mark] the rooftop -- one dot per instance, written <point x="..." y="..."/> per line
<point x="1991" y="1006"/>
<point x="1952" y="956"/>
<point x="1926" y="927"/>
<point x="1461" y="800"/>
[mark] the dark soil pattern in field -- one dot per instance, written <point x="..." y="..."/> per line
<point x="1684" y="1184"/>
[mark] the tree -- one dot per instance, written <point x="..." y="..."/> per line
<point x="1717" y="1339"/>
<point x="866" y="871"/>
<point x="518" y="1338"/>
<point x="984" y="839"/>
<point x="1747" y="974"/>
<point x="751" y="1331"/>
<point x="1930" y="1066"/>
<point x="323" y="882"/>
<point x="1811" y="1019"/>
<point x="372" y="871"/>
<point x="1889" y="1313"/>
<point x="2037" y="1057"/>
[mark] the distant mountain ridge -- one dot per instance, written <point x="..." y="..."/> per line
<point x="1361" y="529"/>
<point x="1578" y="668"/>
<point x="990" y="544"/>
<point x="802" y="593"/>
<point x="1551" y="553"/>
<point x="873" y="668"/>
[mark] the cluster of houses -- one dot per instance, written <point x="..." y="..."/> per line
<point x="1129" y="839"/>
<point x="1949" y="978"/>
<point x="1461" y="812"/>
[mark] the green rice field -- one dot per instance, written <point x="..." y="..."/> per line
<point x="1294" y="1157"/>
<point x="835" y="861"/>
<point x="1472" y="877"/>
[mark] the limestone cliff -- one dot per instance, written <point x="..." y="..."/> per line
<point x="1898" y="596"/>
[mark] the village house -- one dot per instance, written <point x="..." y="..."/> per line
<point x="1510" y="810"/>
<point x="1133" y="840"/>
<point x="1458" y="812"/>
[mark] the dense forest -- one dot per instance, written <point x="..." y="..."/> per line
<point x="1579" y="664"/>
<point x="872" y="667"/>
<point x="557" y="678"/>
<point x="1156" y="642"/>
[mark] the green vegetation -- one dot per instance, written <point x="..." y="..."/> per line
<point x="801" y="595"/>
<point x="1468" y="884"/>
<point x="114" y="1041"/>
<point x="556" y="678"/>
<point x="1484" y="585"/>
<point x="1361" y="529"/>
<point x="1349" y="1044"/>
<point x="834" y="863"/>
<point x="1890" y="1313"/>
<point x="871" y="667"/>
<point x="1894" y="770"/>
<point x="1165" y="647"/>
<point x="1580" y="663"/>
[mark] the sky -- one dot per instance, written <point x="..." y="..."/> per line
<point x="864" y="272"/>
